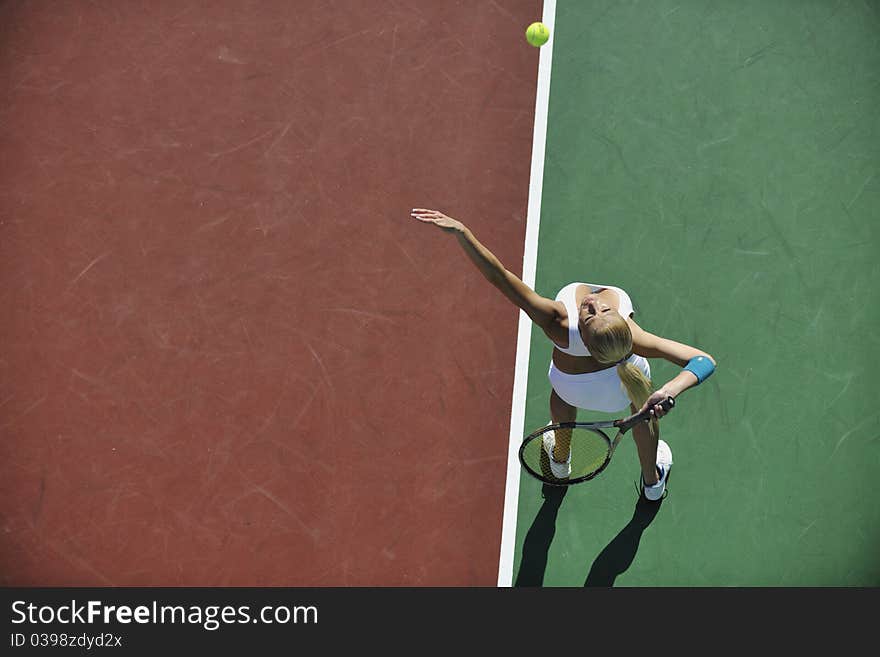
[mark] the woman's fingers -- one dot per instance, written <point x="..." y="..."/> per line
<point x="448" y="224"/>
<point x="423" y="215"/>
<point x="433" y="217"/>
<point x="656" y="411"/>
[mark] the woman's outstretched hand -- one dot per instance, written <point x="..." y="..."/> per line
<point x="448" y="224"/>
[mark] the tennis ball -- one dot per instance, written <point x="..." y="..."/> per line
<point x="537" y="34"/>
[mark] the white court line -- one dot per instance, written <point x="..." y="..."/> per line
<point x="523" y="340"/>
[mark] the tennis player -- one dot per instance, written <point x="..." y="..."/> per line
<point x="599" y="358"/>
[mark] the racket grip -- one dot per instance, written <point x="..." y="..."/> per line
<point x="628" y="423"/>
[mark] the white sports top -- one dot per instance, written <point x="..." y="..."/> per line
<point x="576" y="346"/>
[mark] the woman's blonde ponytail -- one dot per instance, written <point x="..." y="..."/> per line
<point x="611" y="342"/>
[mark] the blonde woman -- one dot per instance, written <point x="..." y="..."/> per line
<point x="599" y="356"/>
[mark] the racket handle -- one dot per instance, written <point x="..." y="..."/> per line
<point x="628" y="423"/>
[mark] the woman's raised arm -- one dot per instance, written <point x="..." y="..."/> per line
<point x="541" y="311"/>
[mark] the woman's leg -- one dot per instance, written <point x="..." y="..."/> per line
<point x="646" y="444"/>
<point x="561" y="411"/>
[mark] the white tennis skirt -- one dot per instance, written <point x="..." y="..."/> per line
<point x="597" y="391"/>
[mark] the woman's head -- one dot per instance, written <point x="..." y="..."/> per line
<point x="604" y="331"/>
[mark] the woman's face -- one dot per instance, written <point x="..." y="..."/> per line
<point x="594" y="312"/>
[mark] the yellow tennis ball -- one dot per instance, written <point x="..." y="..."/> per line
<point x="537" y="34"/>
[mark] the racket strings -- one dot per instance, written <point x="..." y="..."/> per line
<point x="561" y="443"/>
<point x="588" y="451"/>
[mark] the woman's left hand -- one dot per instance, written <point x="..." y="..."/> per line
<point x="653" y="403"/>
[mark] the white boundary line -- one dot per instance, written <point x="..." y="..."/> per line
<point x="523" y="340"/>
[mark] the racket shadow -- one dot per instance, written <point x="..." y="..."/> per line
<point x="536" y="544"/>
<point x="619" y="554"/>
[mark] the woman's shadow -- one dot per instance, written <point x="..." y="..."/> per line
<point x="613" y="560"/>
<point x="536" y="544"/>
<point x="619" y="554"/>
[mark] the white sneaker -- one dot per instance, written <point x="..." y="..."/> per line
<point x="559" y="470"/>
<point x="664" y="465"/>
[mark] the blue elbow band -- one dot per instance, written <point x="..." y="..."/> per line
<point x="701" y="367"/>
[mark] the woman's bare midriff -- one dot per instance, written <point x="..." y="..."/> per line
<point x="577" y="364"/>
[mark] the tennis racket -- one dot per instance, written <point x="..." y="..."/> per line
<point x="591" y="448"/>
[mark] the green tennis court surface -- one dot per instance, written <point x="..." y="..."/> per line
<point x="719" y="162"/>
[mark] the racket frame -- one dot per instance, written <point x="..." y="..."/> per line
<point x="622" y="425"/>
